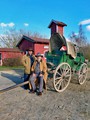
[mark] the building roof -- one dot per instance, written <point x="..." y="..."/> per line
<point x="34" y="40"/>
<point x="9" y="50"/>
<point x="41" y="40"/>
<point x="57" y="23"/>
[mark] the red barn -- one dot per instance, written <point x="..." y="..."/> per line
<point x="37" y="44"/>
<point x="9" y="53"/>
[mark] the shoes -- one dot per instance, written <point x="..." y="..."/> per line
<point x="39" y="93"/>
<point x="32" y="91"/>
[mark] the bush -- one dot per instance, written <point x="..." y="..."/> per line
<point x="86" y="52"/>
<point x="12" y="62"/>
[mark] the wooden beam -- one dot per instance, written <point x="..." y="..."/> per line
<point x="14" y="86"/>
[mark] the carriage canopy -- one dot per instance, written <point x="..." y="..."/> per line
<point x="57" y="42"/>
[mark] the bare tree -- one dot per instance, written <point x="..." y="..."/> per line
<point x="81" y="37"/>
<point x="11" y="37"/>
<point x="81" y="40"/>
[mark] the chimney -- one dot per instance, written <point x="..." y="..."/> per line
<point x="56" y="27"/>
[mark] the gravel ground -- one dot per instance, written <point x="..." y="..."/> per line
<point x="19" y="104"/>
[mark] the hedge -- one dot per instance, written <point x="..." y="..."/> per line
<point x="12" y="62"/>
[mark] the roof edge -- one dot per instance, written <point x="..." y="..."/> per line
<point x="57" y="23"/>
<point x="24" y="37"/>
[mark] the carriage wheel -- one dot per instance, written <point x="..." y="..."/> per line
<point x="62" y="77"/>
<point x="82" y="75"/>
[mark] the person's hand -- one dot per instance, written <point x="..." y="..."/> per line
<point x="40" y="75"/>
<point x="34" y="74"/>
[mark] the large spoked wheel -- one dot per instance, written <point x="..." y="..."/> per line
<point x="82" y="75"/>
<point x="62" y="77"/>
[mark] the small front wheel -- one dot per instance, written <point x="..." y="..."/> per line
<point x="62" y="77"/>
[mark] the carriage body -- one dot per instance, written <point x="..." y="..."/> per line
<point x="65" y="62"/>
<point x="57" y="57"/>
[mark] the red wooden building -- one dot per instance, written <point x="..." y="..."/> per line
<point x="37" y="44"/>
<point x="9" y="53"/>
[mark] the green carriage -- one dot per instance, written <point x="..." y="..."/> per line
<point x="65" y="62"/>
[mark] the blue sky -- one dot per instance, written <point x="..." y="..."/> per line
<point x="35" y="15"/>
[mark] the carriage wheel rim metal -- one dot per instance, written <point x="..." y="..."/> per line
<point x="62" y="77"/>
<point x="83" y="73"/>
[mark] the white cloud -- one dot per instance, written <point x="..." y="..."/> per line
<point x="67" y="39"/>
<point x="3" y="25"/>
<point x="84" y="22"/>
<point x="11" y="24"/>
<point x="76" y="34"/>
<point x="88" y="27"/>
<point x="26" y="24"/>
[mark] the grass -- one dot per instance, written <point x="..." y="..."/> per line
<point x="18" y="67"/>
<point x="10" y="68"/>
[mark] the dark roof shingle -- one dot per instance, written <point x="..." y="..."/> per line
<point x="57" y="23"/>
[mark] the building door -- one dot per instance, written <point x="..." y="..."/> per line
<point x="0" y="59"/>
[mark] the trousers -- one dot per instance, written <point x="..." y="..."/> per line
<point x="26" y="78"/>
<point x="40" y="80"/>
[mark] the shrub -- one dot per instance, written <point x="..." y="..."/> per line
<point x="12" y="62"/>
<point x="86" y="52"/>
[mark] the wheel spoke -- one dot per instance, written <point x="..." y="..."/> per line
<point x="59" y="86"/>
<point x="66" y="68"/>
<point x="67" y="71"/>
<point x="64" y="82"/>
<point x="58" y="82"/>
<point x="58" y="78"/>
<point x="58" y="73"/>
<point x="67" y="75"/>
<point x="61" y="70"/>
<point x="62" y="85"/>
<point x="80" y="75"/>
<point x="81" y="79"/>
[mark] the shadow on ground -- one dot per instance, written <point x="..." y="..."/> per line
<point x="14" y="78"/>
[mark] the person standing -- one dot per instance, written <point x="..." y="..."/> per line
<point x="39" y="72"/>
<point x="27" y="61"/>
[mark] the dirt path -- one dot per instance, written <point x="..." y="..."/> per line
<point x="18" y="104"/>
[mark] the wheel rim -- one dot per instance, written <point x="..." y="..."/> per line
<point x="82" y="73"/>
<point x="62" y="77"/>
